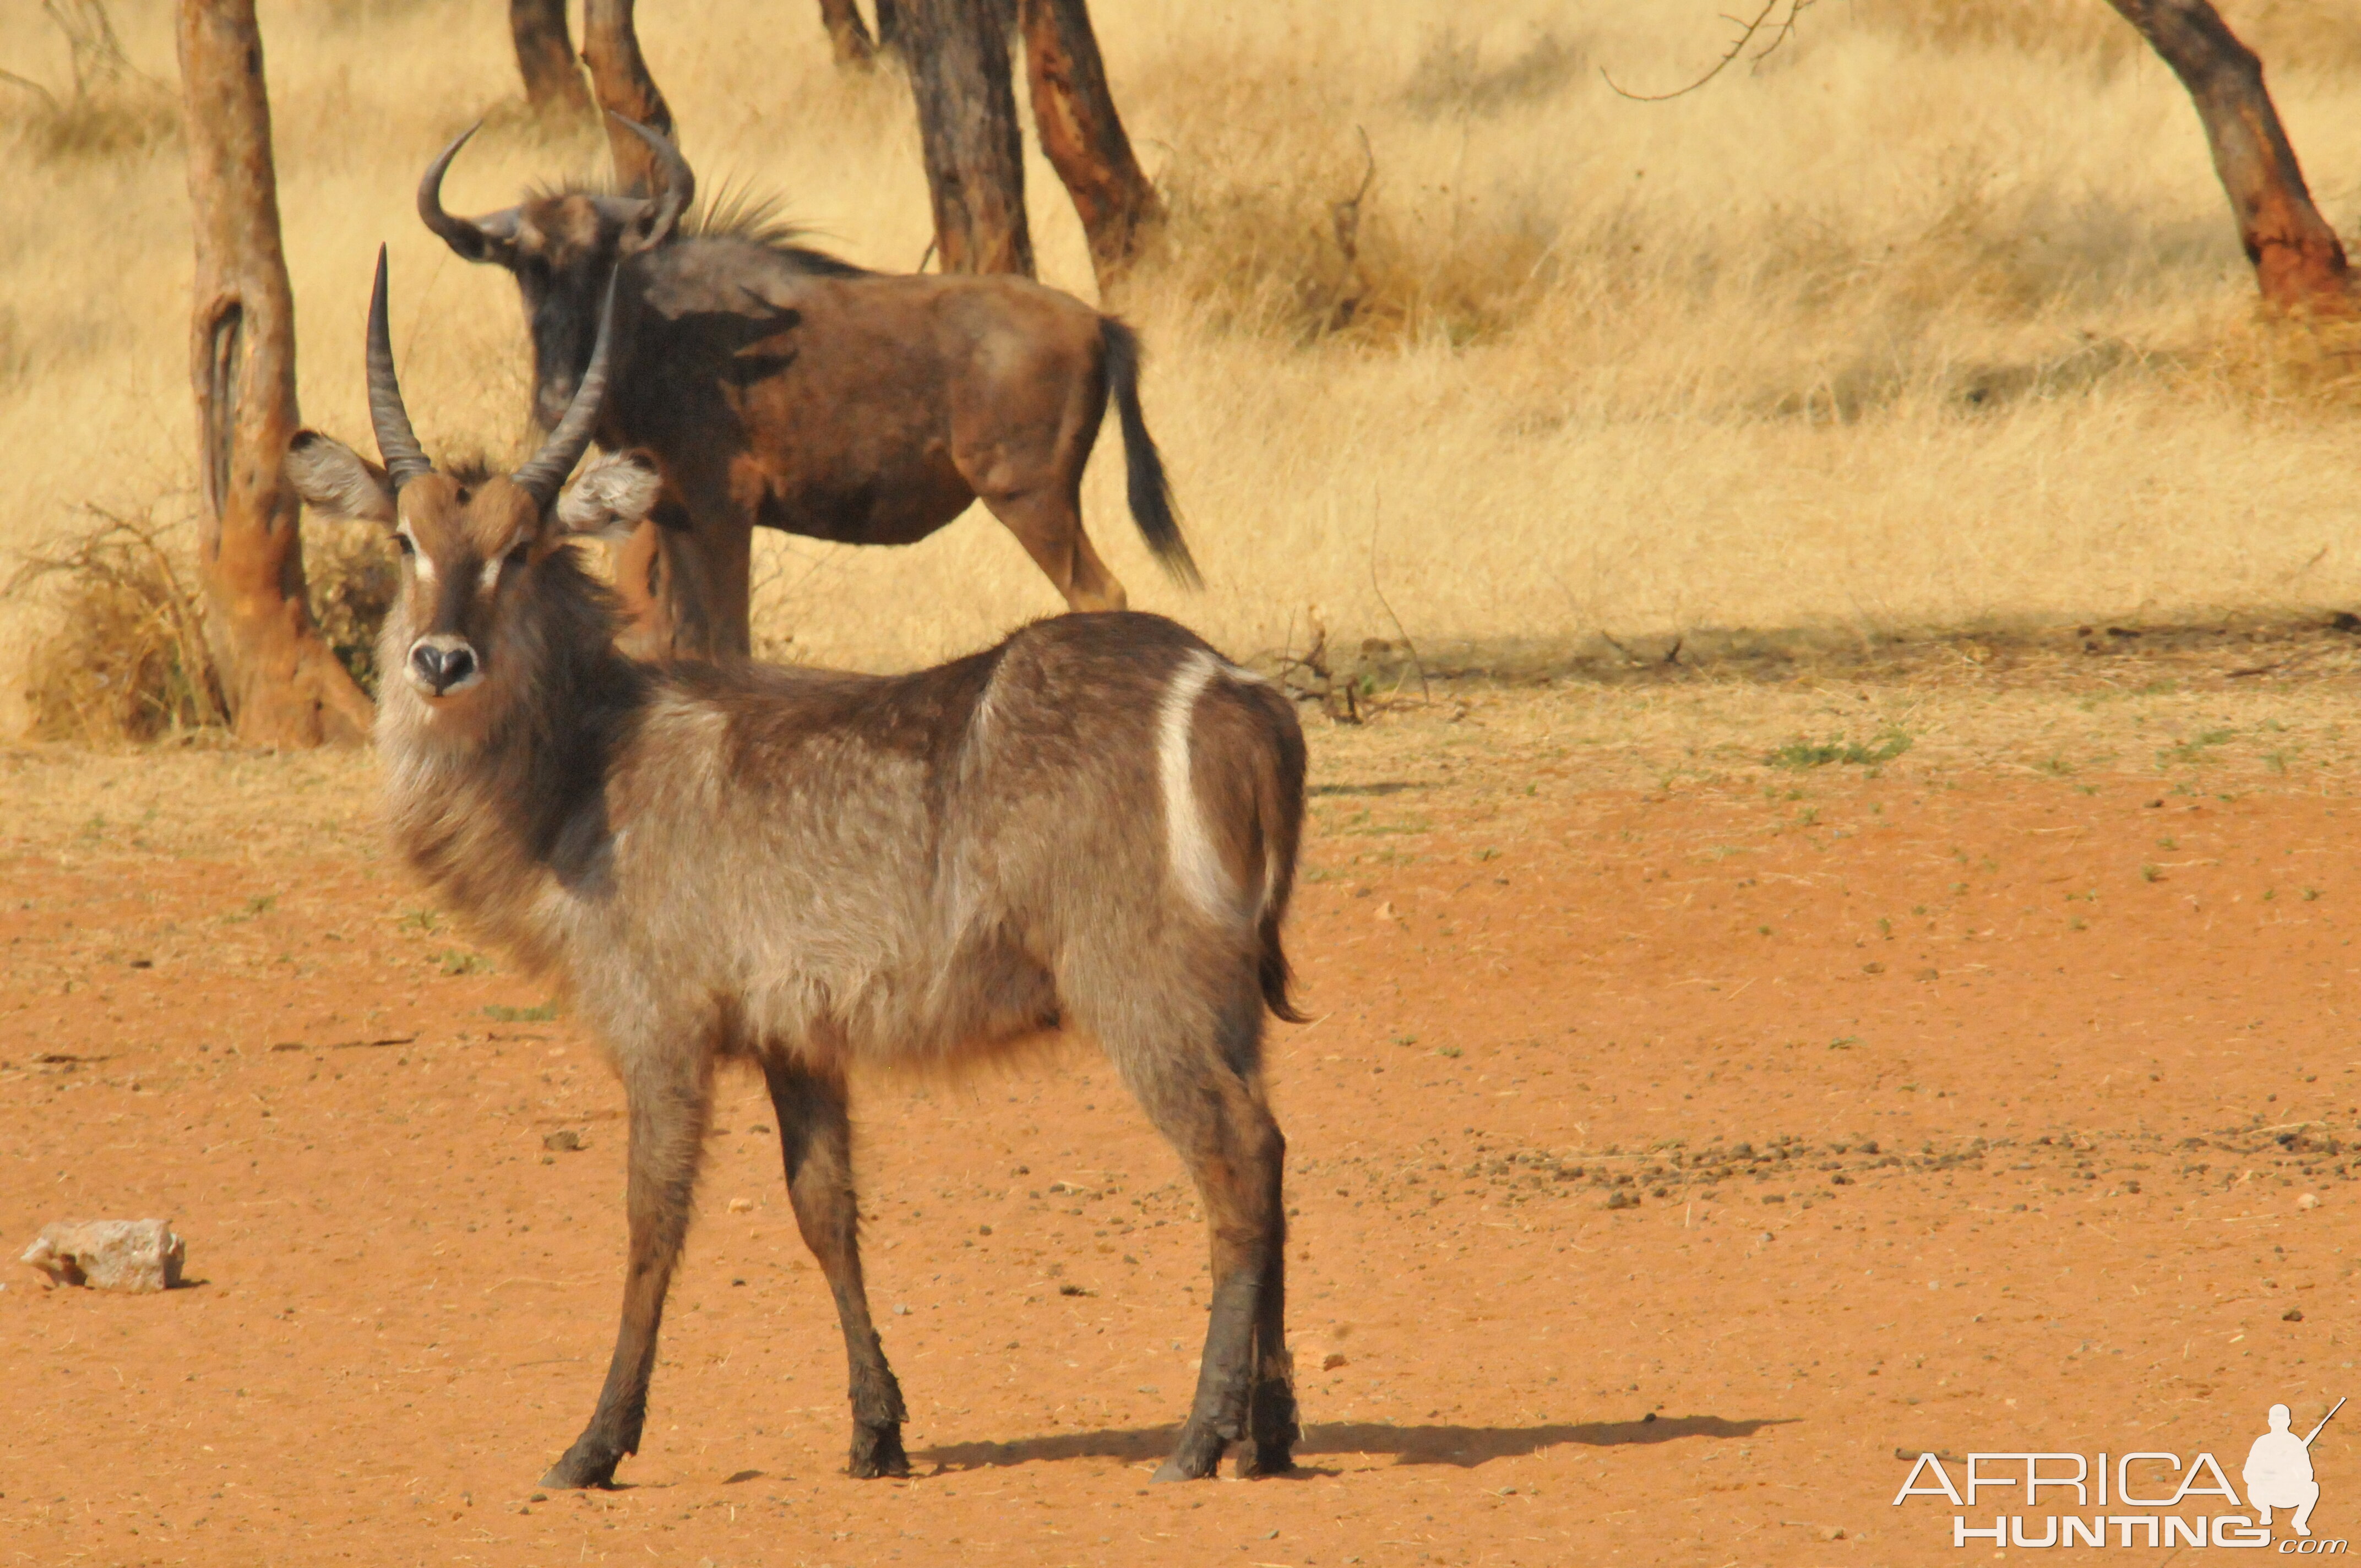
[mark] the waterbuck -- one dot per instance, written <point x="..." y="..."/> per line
<point x="779" y="386"/>
<point x="1091" y="827"/>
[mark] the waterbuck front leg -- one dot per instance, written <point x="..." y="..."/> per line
<point x="668" y="1114"/>
<point x="816" y="1141"/>
<point x="1215" y="1115"/>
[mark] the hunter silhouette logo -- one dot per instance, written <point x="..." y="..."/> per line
<point x="2278" y="1471"/>
<point x="2142" y="1499"/>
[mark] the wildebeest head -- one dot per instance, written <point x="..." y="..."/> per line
<point x="562" y="247"/>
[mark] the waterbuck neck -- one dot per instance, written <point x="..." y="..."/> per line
<point x="491" y="799"/>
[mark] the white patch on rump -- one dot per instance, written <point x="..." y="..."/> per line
<point x="1195" y="866"/>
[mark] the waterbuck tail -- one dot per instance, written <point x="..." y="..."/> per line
<point x="1150" y="491"/>
<point x="1281" y="806"/>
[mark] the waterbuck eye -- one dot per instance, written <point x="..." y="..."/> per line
<point x="401" y="543"/>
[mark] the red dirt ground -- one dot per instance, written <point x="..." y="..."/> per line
<point x="2091" y="1024"/>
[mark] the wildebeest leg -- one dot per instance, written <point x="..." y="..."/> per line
<point x="816" y="1140"/>
<point x="1049" y="523"/>
<point x="668" y="1112"/>
<point x="1214" y="1117"/>
<point x="684" y="578"/>
<point x="639" y="583"/>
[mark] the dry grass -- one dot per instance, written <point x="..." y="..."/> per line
<point x="1935" y="318"/>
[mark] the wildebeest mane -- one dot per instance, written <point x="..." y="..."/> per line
<point x="731" y="211"/>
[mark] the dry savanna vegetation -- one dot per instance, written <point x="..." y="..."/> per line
<point x="1935" y="318"/>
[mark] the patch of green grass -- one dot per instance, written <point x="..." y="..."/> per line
<point x="1802" y="754"/>
<point x="2149" y="873"/>
<point x="1452" y="1051"/>
<point x="458" y="960"/>
<point x="541" y="1014"/>
<point x="2196" y="751"/>
<point x="419" y="920"/>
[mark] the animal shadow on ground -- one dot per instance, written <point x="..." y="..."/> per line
<point x="1465" y="1447"/>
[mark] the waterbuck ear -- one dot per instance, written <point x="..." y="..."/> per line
<point x="335" y="479"/>
<point x="612" y="496"/>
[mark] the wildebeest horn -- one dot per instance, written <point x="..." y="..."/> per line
<point x="555" y="460"/>
<point x="476" y="240"/>
<point x="396" y="442"/>
<point x="674" y="190"/>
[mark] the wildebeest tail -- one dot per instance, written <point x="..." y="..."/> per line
<point x="1280" y="803"/>
<point x="1150" y="492"/>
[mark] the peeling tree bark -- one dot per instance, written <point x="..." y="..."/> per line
<point x="2298" y="262"/>
<point x="848" y="35"/>
<point x="967" y="129"/>
<point x="545" y="50"/>
<point x="1074" y="114"/>
<point x="619" y="74"/>
<point x="282" y="682"/>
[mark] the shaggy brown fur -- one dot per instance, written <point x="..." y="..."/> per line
<point x="1092" y="826"/>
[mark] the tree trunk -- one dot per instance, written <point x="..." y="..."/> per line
<point x="2299" y="264"/>
<point x="552" y="80"/>
<point x="889" y="25"/>
<point x="848" y="35"/>
<point x="282" y="682"/>
<point x="1074" y="114"/>
<point x="967" y="128"/>
<point x="619" y="74"/>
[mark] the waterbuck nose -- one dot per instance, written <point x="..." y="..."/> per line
<point x="439" y="667"/>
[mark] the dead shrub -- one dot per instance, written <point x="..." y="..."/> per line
<point x="124" y="657"/>
<point x="1323" y="255"/>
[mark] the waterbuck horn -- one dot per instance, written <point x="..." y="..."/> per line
<point x="396" y="442"/>
<point x="541" y="477"/>
<point x="674" y="186"/>
<point x="476" y="239"/>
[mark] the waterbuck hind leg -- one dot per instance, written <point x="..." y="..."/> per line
<point x="1271" y="1429"/>
<point x="667" y="1123"/>
<point x="1215" y="1115"/>
<point x="816" y="1141"/>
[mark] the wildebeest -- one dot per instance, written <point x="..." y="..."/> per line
<point x="777" y="386"/>
<point x="1091" y="826"/>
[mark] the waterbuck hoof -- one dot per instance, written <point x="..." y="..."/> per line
<point x="580" y="1470"/>
<point x="877" y="1450"/>
<point x="1198" y="1456"/>
<point x="1270" y="1421"/>
<point x="1264" y="1459"/>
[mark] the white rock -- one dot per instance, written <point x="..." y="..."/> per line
<point x="110" y="1254"/>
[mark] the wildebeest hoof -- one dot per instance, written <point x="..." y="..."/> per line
<point x="581" y="1469"/>
<point x="877" y="1450"/>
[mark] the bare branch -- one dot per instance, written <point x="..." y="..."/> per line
<point x="1780" y="32"/>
